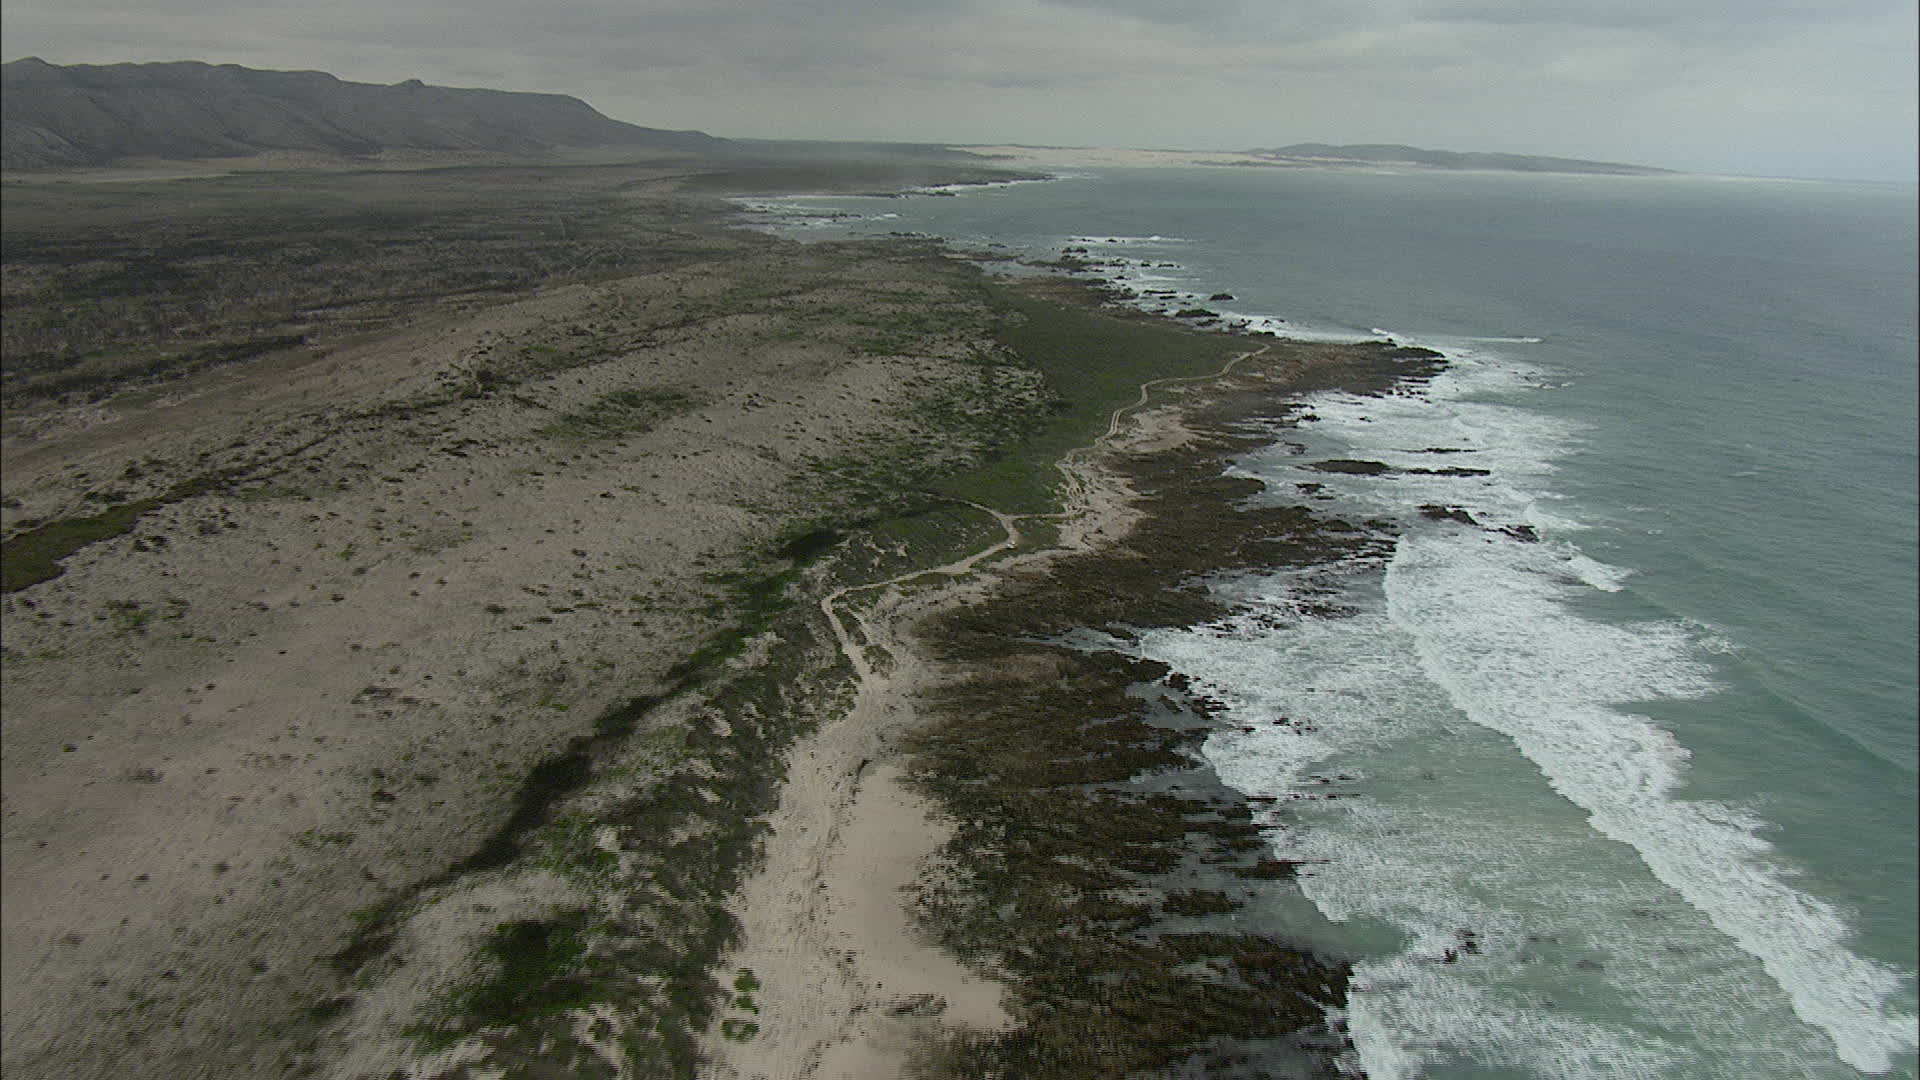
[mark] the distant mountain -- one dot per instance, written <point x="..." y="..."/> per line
<point x="53" y="116"/>
<point x="1397" y="154"/>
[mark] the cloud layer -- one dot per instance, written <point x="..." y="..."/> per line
<point x="1789" y="87"/>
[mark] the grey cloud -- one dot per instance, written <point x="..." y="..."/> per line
<point x="1209" y="13"/>
<point x="1539" y="75"/>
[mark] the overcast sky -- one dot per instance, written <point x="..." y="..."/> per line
<point x="1822" y="88"/>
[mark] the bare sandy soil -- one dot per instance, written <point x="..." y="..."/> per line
<point x="850" y="989"/>
<point x="491" y="692"/>
<point x="270" y="707"/>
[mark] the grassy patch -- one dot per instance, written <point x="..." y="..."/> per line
<point x="34" y="556"/>
<point x="536" y="971"/>
<point x="679" y="806"/>
<point x="1094" y="363"/>
<point x="620" y="412"/>
<point x="1094" y="854"/>
<point x="682" y="807"/>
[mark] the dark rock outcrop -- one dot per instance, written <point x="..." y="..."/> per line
<point x="1350" y="467"/>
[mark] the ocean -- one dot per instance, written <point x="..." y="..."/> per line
<point x="1636" y="781"/>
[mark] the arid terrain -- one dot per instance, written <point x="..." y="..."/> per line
<point x="398" y="511"/>
<point x="502" y="622"/>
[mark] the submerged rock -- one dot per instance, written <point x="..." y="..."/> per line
<point x="1350" y="467"/>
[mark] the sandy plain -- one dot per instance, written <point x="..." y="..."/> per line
<point x="517" y="682"/>
<point x="438" y="550"/>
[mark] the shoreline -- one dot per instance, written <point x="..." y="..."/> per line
<point x="410" y="744"/>
<point x="922" y="633"/>
<point x="855" y="833"/>
<point x="1115" y="846"/>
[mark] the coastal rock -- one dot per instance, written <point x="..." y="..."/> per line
<point x="1436" y="512"/>
<point x="1350" y="467"/>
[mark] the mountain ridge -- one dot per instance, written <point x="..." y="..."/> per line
<point x="54" y="116"/>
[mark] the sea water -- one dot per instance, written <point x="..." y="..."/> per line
<point x="1633" y="751"/>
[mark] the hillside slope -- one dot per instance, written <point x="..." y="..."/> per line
<point x="53" y="116"/>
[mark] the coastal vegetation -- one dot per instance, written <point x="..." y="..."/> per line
<point x="112" y="286"/>
<point x="1095" y="852"/>
<point x="527" y="514"/>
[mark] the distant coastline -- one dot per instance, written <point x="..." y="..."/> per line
<point x="1305" y="156"/>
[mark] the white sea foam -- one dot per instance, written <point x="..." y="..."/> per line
<point x="1511" y="658"/>
<point x="800" y="214"/>
<point x="1398" y="1032"/>
<point x="1119" y="240"/>
<point x="1598" y="574"/>
<point x="1553" y="812"/>
<point x="990" y="187"/>
<point x="1144" y="277"/>
<point x="1467" y="625"/>
<point x="1432" y="850"/>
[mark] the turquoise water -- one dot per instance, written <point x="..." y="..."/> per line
<point x="1649" y="781"/>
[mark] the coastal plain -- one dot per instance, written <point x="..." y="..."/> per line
<point x="511" y="621"/>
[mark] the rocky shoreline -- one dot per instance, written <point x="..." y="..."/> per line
<point x="526" y="685"/>
<point x="1097" y="860"/>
